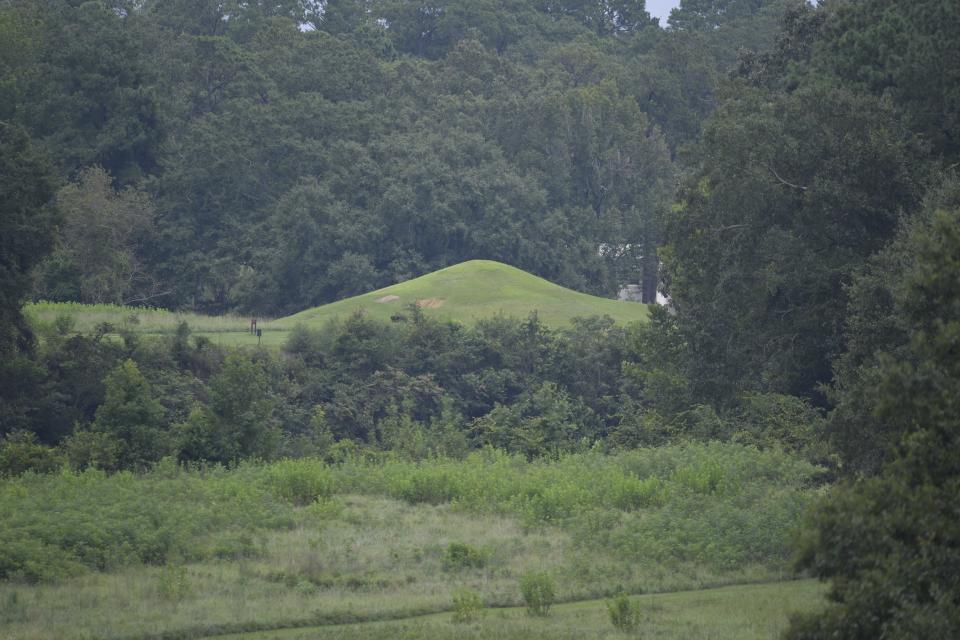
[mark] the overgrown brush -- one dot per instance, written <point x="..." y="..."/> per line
<point x="625" y="614"/>
<point x="721" y="506"/>
<point x="464" y="556"/>
<point x="467" y="605"/>
<point x="538" y="592"/>
<point x="55" y="526"/>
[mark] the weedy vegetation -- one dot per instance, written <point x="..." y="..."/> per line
<point x="193" y="550"/>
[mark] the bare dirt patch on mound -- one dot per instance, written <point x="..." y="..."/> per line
<point x="430" y="303"/>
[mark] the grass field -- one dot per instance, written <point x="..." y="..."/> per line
<point x="742" y="612"/>
<point x="146" y="320"/>
<point x="178" y="553"/>
<point x="464" y="293"/>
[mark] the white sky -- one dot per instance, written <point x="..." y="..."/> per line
<point x="661" y="9"/>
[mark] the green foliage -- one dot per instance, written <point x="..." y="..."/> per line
<point x="237" y="423"/>
<point x="132" y="418"/>
<point x="538" y="592"/>
<point x="60" y="524"/>
<point x="887" y="321"/>
<point x="467" y="606"/>
<point x="173" y="583"/>
<point x="752" y="271"/>
<point x="459" y="555"/>
<point x="301" y="482"/>
<point x="96" y="259"/>
<point x="858" y="45"/>
<point x="90" y="87"/>
<point x="20" y="452"/>
<point x="543" y="421"/>
<point x="625" y="614"/>
<point x="775" y="420"/>
<point x="898" y="581"/>
<point x="706" y="15"/>
<point x="28" y="219"/>
<point x="721" y="506"/>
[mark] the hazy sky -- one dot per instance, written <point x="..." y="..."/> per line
<point x="661" y="9"/>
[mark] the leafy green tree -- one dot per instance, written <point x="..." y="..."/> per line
<point x="431" y="31"/>
<point x="69" y="382"/>
<point x="26" y="235"/>
<point x="706" y="15"/>
<point x="905" y="50"/>
<point x="543" y="421"/>
<point x="133" y="418"/>
<point x="20" y="452"/>
<point x="675" y="84"/>
<point x="241" y="405"/>
<point x="795" y="192"/>
<point x="880" y="329"/>
<point x="889" y="543"/>
<point x="97" y="258"/>
<point x="587" y="361"/>
<point x="237" y="421"/>
<point x="603" y="16"/>
<point x="728" y="28"/>
<point x="89" y="93"/>
<point x="653" y="372"/>
<point x="26" y="191"/>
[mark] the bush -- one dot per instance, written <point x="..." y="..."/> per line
<point x="173" y="584"/>
<point x="20" y="452"/>
<point x="54" y="526"/>
<point x="467" y="605"/>
<point x="538" y="592"/>
<point x="301" y="482"/>
<point x="463" y="556"/>
<point x="624" y="613"/>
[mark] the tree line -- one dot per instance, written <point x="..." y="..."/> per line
<point x="269" y="157"/>
<point x="801" y="193"/>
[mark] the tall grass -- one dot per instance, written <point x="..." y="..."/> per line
<point x="717" y="504"/>
<point x="147" y="320"/>
<point x="300" y="542"/>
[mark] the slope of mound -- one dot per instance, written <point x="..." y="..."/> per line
<point x="471" y="290"/>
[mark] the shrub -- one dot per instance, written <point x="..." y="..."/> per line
<point x="86" y="449"/>
<point x="624" y="613"/>
<point x="20" y="452"/>
<point x="301" y="482"/>
<point x="173" y="583"/>
<point x="463" y="556"/>
<point x="467" y="605"/>
<point x="428" y="484"/>
<point x="234" y="545"/>
<point x="538" y="592"/>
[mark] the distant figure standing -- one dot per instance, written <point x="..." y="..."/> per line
<point x="253" y="326"/>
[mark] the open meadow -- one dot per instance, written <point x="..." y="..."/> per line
<point x="743" y="612"/>
<point x="177" y="553"/>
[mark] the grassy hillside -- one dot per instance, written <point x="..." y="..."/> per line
<point x="465" y="293"/>
<point x="472" y="290"/>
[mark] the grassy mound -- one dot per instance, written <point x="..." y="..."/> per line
<point x="472" y="290"/>
<point x="463" y="293"/>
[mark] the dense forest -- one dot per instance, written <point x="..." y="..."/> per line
<point x="786" y="172"/>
